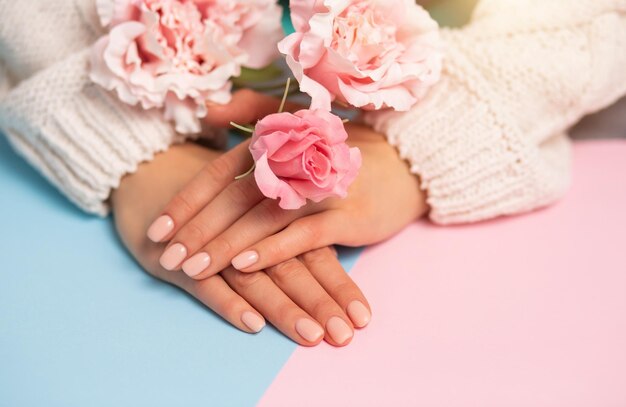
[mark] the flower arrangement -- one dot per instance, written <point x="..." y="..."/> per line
<point x="369" y="54"/>
<point x="179" y="55"/>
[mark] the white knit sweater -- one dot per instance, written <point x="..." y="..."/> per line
<point x="489" y="139"/>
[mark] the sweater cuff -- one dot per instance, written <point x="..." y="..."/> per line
<point x="472" y="163"/>
<point x="80" y="137"/>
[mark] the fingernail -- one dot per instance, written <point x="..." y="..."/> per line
<point x="309" y="330"/>
<point x="245" y="260"/>
<point x="173" y="256"/>
<point x="160" y="228"/>
<point x="359" y="314"/>
<point x="338" y="330"/>
<point x="253" y="321"/>
<point x="196" y="264"/>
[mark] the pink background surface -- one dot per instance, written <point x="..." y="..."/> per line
<point x="525" y="311"/>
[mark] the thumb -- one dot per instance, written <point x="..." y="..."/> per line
<point x="246" y="107"/>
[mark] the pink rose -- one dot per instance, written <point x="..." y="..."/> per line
<point x="180" y="54"/>
<point x="303" y="156"/>
<point x="367" y="53"/>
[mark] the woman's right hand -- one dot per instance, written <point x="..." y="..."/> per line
<point x="307" y="298"/>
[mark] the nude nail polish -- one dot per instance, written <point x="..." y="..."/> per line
<point x="339" y="330"/>
<point x="196" y="264"/>
<point x="160" y="228"/>
<point x="173" y="256"/>
<point x="245" y="260"/>
<point x="309" y="330"/>
<point x="359" y="314"/>
<point x="252" y="321"/>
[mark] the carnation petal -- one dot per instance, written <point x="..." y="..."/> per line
<point x="363" y="52"/>
<point x="120" y="39"/>
<point x="183" y="113"/>
<point x="303" y="10"/>
<point x="259" y="42"/>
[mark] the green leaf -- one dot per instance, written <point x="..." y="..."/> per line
<point x="251" y="76"/>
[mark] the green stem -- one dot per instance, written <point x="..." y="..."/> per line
<point x="284" y="100"/>
<point x="242" y="128"/>
<point x="238" y="177"/>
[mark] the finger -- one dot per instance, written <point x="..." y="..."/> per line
<point x="293" y="278"/>
<point x="205" y="186"/>
<point x="325" y="267"/>
<point x="246" y="107"/>
<point x="230" y="205"/>
<point x="259" y="290"/>
<point x="217" y="295"/>
<point x="263" y="220"/>
<point x="309" y="233"/>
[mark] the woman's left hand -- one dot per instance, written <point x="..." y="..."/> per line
<point x="234" y="222"/>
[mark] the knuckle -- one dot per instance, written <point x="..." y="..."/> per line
<point x="225" y="167"/>
<point x="183" y="204"/>
<point x="227" y="308"/>
<point x="242" y="191"/>
<point x="275" y="249"/>
<point x="286" y="312"/>
<point x="220" y="169"/>
<point x="318" y="256"/>
<point x="193" y="233"/>
<point x="212" y="171"/>
<point x="310" y="231"/>
<point x="346" y="289"/>
<point x="245" y="281"/>
<point x="285" y="271"/>
<point x="269" y="212"/>
<point x="221" y="246"/>
<point x="323" y="307"/>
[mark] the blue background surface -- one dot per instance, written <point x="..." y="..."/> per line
<point x="82" y="325"/>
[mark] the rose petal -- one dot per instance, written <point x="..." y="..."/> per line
<point x="274" y="188"/>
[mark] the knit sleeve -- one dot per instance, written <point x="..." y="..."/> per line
<point x="489" y="139"/>
<point x="80" y="137"/>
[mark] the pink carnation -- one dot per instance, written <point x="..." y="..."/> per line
<point x="180" y="54"/>
<point x="367" y="53"/>
<point x="303" y="156"/>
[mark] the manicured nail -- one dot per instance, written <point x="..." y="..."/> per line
<point x="309" y="330"/>
<point x="196" y="264"/>
<point x="173" y="256"/>
<point x="359" y="314"/>
<point x="338" y="330"/>
<point x="253" y="321"/>
<point x="245" y="260"/>
<point x="160" y="228"/>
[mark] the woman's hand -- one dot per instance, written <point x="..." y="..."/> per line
<point x="308" y="298"/>
<point x="212" y="223"/>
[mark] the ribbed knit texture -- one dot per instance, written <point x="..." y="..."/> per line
<point x="490" y="139"/>
<point x="79" y="136"/>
